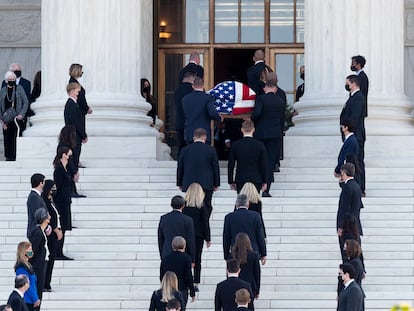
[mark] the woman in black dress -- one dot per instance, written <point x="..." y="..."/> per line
<point x="195" y="209"/>
<point x="63" y="199"/>
<point x="168" y="291"/>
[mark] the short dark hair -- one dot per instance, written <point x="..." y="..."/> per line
<point x="248" y="125"/>
<point x="188" y="74"/>
<point x="200" y="132"/>
<point x="20" y="281"/>
<point x="350" y="124"/>
<point x="198" y="82"/>
<point x="177" y="202"/>
<point x="233" y="265"/>
<point x="353" y="79"/>
<point x="359" y="59"/>
<point x="348" y="169"/>
<point x="36" y="179"/>
<point x="348" y="268"/>
<point x="173" y="304"/>
<point x="5" y="307"/>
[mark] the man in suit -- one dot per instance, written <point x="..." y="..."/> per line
<point x="176" y="224"/>
<point x="349" y="200"/>
<point x="225" y="297"/>
<point x="34" y="200"/>
<point x="198" y="163"/>
<point x="5" y="308"/>
<point x="249" y="222"/>
<point x="349" y="147"/>
<point x="193" y="66"/>
<point x="16" y="301"/>
<point x="198" y="110"/>
<point x="354" y="110"/>
<point x="269" y="118"/>
<point x="351" y="297"/>
<point x="179" y="263"/>
<point x="184" y="88"/>
<point x="257" y="72"/>
<point x="250" y="156"/>
<point x="357" y="65"/>
<point x="242" y="299"/>
<point x="75" y="116"/>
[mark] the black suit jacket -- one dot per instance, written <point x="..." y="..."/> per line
<point x="198" y="110"/>
<point x="349" y="147"/>
<point x="34" y="202"/>
<point x="250" y="272"/>
<point x="198" y="163"/>
<point x="351" y="298"/>
<point x="171" y="225"/>
<point x="74" y="115"/>
<point x="182" y="90"/>
<point x="17" y="302"/>
<point x="83" y="105"/>
<point x="250" y="156"/>
<point x="38" y="240"/>
<point x="269" y="116"/>
<point x="354" y="110"/>
<point x="200" y="221"/>
<point x="193" y="68"/>
<point x="243" y="220"/>
<point x="253" y="77"/>
<point x="349" y="202"/>
<point x="224" y="299"/>
<point x="364" y="85"/>
<point x="180" y="264"/>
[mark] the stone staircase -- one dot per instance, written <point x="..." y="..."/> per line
<point x="115" y="244"/>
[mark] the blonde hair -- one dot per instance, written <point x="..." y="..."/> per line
<point x="21" y="257"/>
<point x="75" y="70"/>
<point x="195" y="195"/>
<point x="169" y="285"/>
<point x="250" y="191"/>
<point x="72" y="86"/>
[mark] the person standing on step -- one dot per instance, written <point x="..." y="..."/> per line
<point x="16" y="301"/>
<point x="168" y="291"/>
<point x="357" y="65"/>
<point x="351" y="297"/>
<point x="349" y="147"/>
<point x="193" y="66"/>
<point x="34" y="200"/>
<point x="198" y="163"/>
<point x="258" y="72"/>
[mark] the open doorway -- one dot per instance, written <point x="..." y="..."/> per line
<point x="232" y="64"/>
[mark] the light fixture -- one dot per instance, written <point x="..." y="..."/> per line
<point x="163" y="33"/>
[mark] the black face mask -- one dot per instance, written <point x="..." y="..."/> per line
<point x="353" y="68"/>
<point x="146" y="90"/>
<point x="347" y="88"/>
<point x="302" y="76"/>
<point x="11" y="83"/>
<point x="18" y="73"/>
<point x="53" y="193"/>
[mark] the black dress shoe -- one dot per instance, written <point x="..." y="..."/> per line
<point x="196" y="289"/>
<point x="63" y="258"/>
<point x="77" y="195"/>
<point x="266" y="194"/>
<point x="276" y="169"/>
<point x="81" y="166"/>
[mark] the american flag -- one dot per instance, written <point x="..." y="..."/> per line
<point x="232" y="97"/>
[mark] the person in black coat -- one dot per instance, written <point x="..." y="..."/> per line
<point x="199" y="110"/>
<point x="249" y="157"/>
<point x="357" y="65"/>
<point x="34" y="200"/>
<point x="180" y="263"/>
<point x="193" y="66"/>
<point x="196" y="210"/>
<point x="243" y="220"/>
<point x="63" y="200"/>
<point x="176" y="224"/>
<point x="184" y="88"/>
<point x="198" y="163"/>
<point x="225" y="296"/>
<point x="257" y="73"/>
<point x="169" y="290"/>
<point x="351" y="297"/>
<point x="16" y="301"/>
<point x="56" y="234"/>
<point x="38" y="239"/>
<point x="354" y="110"/>
<point x="75" y="115"/>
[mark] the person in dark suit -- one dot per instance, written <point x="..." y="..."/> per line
<point x="257" y="74"/>
<point x="37" y="237"/>
<point x="198" y="163"/>
<point x="250" y="156"/>
<point x="184" y="88"/>
<point x="351" y="297"/>
<point x="349" y="147"/>
<point x="354" y="110"/>
<point x="242" y="299"/>
<point x="34" y="200"/>
<point x="193" y="66"/>
<point x="357" y="65"/>
<point x="225" y="296"/>
<point x="5" y="307"/>
<point x="198" y="108"/>
<point x="74" y="115"/>
<point x="198" y="212"/>
<point x="180" y="263"/>
<point x="349" y="200"/>
<point x="301" y="88"/>
<point x="243" y="220"/>
<point x="269" y="121"/>
<point x="176" y="224"/>
<point x="16" y="301"/>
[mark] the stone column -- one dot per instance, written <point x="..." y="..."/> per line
<point x="335" y="30"/>
<point x="112" y="39"/>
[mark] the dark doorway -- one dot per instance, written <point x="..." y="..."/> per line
<point x="232" y="64"/>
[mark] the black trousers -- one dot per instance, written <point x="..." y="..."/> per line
<point x="40" y="274"/>
<point x="52" y="244"/>
<point x="199" y="243"/>
<point x="361" y="157"/>
<point x="272" y="146"/>
<point x="208" y="196"/>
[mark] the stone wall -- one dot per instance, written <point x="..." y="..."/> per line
<point x="409" y="48"/>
